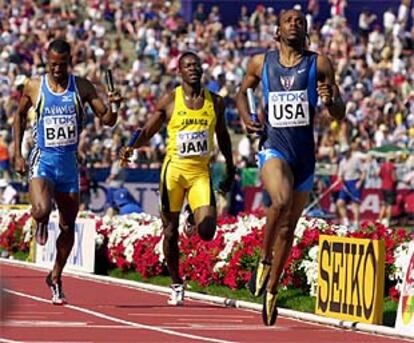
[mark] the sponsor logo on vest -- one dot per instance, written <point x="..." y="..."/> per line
<point x="193" y="143"/>
<point x="288" y="109"/>
<point x="60" y="130"/>
<point x="64" y="109"/>
<point x="287" y="82"/>
<point x="66" y="98"/>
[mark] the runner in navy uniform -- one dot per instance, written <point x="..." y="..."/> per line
<point x="292" y="79"/>
<point x="58" y="98"/>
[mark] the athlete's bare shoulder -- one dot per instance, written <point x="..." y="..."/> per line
<point x="84" y="86"/>
<point x="218" y="100"/>
<point x="32" y="89"/>
<point x="256" y="64"/>
<point x="166" y="104"/>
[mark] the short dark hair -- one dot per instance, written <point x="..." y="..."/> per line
<point x="60" y="46"/>
<point x="186" y="54"/>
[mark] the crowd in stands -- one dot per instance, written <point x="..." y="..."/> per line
<point x="142" y="40"/>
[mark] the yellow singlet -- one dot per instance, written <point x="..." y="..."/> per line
<point x="189" y="146"/>
<point x="191" y="132"/>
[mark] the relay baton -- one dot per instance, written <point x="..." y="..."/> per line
<point x="252" y="105"/>
<point x="131" y="144"/>
<point x="111" y="88"/>
<point x="134" y="138"/>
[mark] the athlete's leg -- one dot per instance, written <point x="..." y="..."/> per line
<point x="205" y="220"/>
<point x="278" y="181"/>
<point x="41" y="199"/>
<point x="284" y="239"/>
<point x="68" y="205"/>
<point x="172" y="195"/>
<point x="170" y="222"/>
<point x="202" y="200"/>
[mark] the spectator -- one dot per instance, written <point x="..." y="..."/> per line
<point x="124" y="202"/>
<point x="8" y="194"/>
<point x="352" y="175"/>
<point x="115" y="180"/>
<point x="388" y="177"/>
<point x="4" y="156"/>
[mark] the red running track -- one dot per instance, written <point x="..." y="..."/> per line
<point x="100" y="312"/>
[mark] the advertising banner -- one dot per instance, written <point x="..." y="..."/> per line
<point x="405" y="313"/>
<point x="351" y="279"/>
<point x="369" y="209"/>
<point x="82" y="257"/>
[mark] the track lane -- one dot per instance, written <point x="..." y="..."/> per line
<point x="121" y="314"/>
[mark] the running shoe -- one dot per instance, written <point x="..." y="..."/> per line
<point x="177" y="295"/>
<point x="189" y="222"/>
<point x="41" y="233"/>
<point x="259" y="278"/>
<point x="58" y="298"/>
<point x="269" y="312"/>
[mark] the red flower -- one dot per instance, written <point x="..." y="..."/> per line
<point x="394" y="294"/>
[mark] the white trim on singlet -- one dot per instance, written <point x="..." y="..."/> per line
<point x="78" y="96"/>
<point x="55" y="93"/>
<point x="39" y="94"/>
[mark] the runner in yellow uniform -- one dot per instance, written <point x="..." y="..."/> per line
<point x="193" y="115"/>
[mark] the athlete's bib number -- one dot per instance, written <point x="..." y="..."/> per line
<point x="60" y="130"/>
<point x="192" y="143"/>
<point x="288" y="109"/>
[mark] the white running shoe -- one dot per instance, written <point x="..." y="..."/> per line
<point x="177" y="295"/>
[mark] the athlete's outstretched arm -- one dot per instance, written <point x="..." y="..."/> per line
<point x="224" y="143"/>
<point x="153" y="125"/>
<point x="19" y="125"/>
<point x="88" y="92"/>
<point x="328" y="89"/>
<point x="250" y="80"/>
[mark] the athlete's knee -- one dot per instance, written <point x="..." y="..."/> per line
<point x="40" y="211"/>
<point x="207" y="228"/>
<point x="280" y="202"/>
<point x="286" y="232"/>
<point x="66" y="236"/>
<point x="170" y="233"/>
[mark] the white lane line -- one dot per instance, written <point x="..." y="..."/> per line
<point x="42" y="312"/>
<point x="212" y="320"/>
<point x="44" y="323"/>
<point x="194" y="315"/>
<point x="223" y="327"/>
<point x="121" y="321"/>
<point x="5" y="340"/>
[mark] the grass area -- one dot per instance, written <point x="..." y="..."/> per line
<point x="291" y="298"/>
<point x="21" y="256"/>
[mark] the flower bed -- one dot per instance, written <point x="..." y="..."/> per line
<point x="134" y="242"/>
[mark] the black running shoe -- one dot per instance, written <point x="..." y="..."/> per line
<point x="269" y="312"/>
<point x="58" y="298"/>
<point x="41" y="234"/>
<point x="259" y="278"/>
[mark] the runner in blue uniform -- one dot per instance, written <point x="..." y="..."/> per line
<point x="58" y="98"/>
<point x="292" y="79"/>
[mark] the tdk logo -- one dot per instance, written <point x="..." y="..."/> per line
<point x="288" y="96"/>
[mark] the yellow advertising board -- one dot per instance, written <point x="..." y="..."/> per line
<point x="351" y="279"/>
